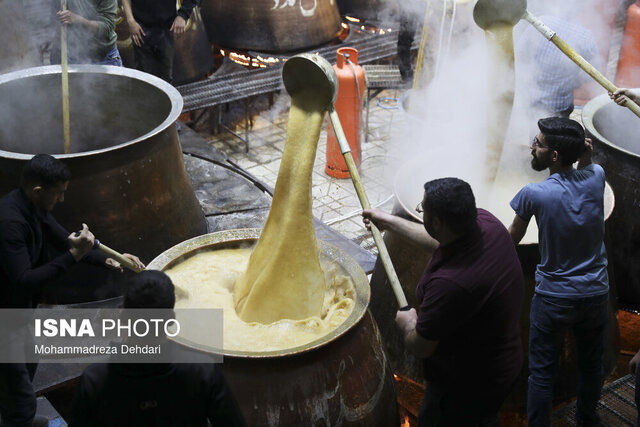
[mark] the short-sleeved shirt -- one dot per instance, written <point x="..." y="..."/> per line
<point x="552" y="76"/>
<point x="569" y="210"/>
<point x="471" y="295"/>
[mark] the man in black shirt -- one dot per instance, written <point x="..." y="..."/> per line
<point x="34" y="250"/>
<point x="152" y="24"/>
<point x="155" y="394"/>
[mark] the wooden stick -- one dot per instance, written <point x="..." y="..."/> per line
<point x="578" y="59"/>
<point x="65" y="84"/>
<point x="123" y="260"/>
<point x="126" y="262"/>
<point x="364" y="201"/>
<point x="423" y="44"/>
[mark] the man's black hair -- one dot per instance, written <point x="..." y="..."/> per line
<point x="43" y="170"/>
<point x="452" y="201"/>
<point x="566" y="136"/>
<point x="149" y="289"/>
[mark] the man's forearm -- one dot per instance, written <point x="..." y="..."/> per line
<point x="90" y="25"/>
<point x="413" y="232"/>
<point x="419" y="346"/>
<point x="128" y="12"/>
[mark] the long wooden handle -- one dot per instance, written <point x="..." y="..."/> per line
<point x="364" y="201"/>
<point x="578" y="59"/>
<point x="126" y="262"/>
<point x="423" y="44"/>
<point x="65" y="84"/>
<point x="123" y="260"/>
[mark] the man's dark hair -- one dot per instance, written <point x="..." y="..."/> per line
<point x="452" y="201"/>
<point x="566" y="136"/>
<point x="149" y="289"/>
<point x="44" y="170"/>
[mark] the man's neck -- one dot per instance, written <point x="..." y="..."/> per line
<point x="558" y="168"/>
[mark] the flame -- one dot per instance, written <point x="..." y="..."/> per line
<point x="351" y="18"/>
<point x="248" y="61"/>
<point x="397" y="378"/>
<point x="405" y="422"/>
<point x="269" y="61"/>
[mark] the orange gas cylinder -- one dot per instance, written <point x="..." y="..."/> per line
<point x="348" y="105"/>
<point x="628" y="74"/>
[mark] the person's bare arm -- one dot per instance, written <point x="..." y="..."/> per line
<point x="620" y="96"/>
<point x="421" y="347"/>
<point x="66" y="17"/>
<point x="585" y="158"/>
<point x="409" y="230"/>
<point x="179" y="25"/>
<point x="136" y="31"/>
<point x="518" y="229"/>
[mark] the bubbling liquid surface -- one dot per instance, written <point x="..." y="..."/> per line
<point x="209" y="278"/>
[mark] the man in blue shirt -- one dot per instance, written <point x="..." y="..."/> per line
<point x="572" y="286"/>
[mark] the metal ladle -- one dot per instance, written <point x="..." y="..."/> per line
<point x="305" y="70"/>
<point x="487" y="13"/>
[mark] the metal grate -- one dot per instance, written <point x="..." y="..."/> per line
<point x="382" y="76"/>
<point x="220" y="89"/>
<point x="616" y="406"/>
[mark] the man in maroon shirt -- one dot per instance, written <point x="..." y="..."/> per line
<point x="467" y="325"/>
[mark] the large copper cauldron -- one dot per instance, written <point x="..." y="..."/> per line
<point x="128" y="180"/>
<point x="367" y="10"/>
<point x="410" y="262"/>
<point x="615" y="132"/>
<point x="271" y="25"/>
<point x="340" y="379"/>
<point x="193" y="59"/>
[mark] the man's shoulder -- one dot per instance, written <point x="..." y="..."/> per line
<point x="595" y="168"/>
<point x="535" y="189"/>
<point x="11" y="207"/>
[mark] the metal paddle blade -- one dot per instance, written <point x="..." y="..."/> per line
<point x="487" y="13"/>
<point x="310" y="71"/>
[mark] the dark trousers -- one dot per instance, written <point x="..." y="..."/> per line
<point x="17" y="397"/>
<point x="550" y="317"/>
<point x="438" y="411"/>
<point x="155" y="56"/>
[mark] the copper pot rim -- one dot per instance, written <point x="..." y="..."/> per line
<point x="609" y="203"/>
<point x="244" y="236"/>
<point x="588" y="113"/>
<point x="172" y="93"/>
